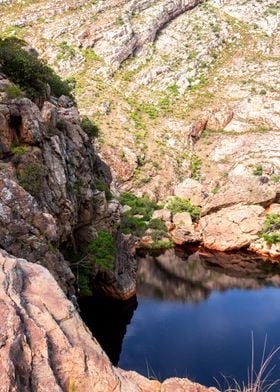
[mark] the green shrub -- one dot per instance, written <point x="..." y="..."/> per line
<point x="102" y="251"/>
<point x="84" y="278"/>
<point x="157" y="235"/>
<point x="258" y="170"/>
<point x="19" y="150"/>
<point x="89" y="127"/>
<point x="135" y="220"/>
<point x="139" y="205"/>
<point x="103" y="187"/>
<point x="157" y="224"/>
<point x="133" y="225"/>
<point x="177" y="204"/>
<point x="27" y="72"/>
<point x="273" y="238"/>
<point x="32" y="178"/>
<point x="13" y="91"/>
<point x="271" y="229"/>
<point x="195" y="167"/>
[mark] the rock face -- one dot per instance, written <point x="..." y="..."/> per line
<point x="46" y="347"/>
<point x="49" y="196"/>
<point x="233" y="227"/>
<point x="239" y="191"/>
<point x="163" y="73"/>
<point x="183" y="230"/>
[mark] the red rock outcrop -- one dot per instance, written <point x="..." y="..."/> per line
<point x="44" y="345"/>
<point x="49" y="176"/>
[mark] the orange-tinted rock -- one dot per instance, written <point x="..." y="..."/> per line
<point x="45" y="346"/>
<point x="233" y="227"/>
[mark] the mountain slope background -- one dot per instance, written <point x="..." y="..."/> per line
<point x="149" y="71"/>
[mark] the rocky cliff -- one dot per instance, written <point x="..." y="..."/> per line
<point x="46" y="347"/>
<point x="160" y="71"/>
<point x="49" y="190"/>
<point x="183" y="90"/>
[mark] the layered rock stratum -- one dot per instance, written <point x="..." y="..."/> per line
<point x="48" y="190"/>
<point x="45" y="346"/>
<point x="152" y="71"/>
<point x="181" y="90"/>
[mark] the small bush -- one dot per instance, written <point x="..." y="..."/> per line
<point x="135" y="220"/>
<point x="26" y="71"/>
<point x="133" y="225"/>
<point x="103" y="187"/>
<point x="89" y="127"/>
<point x="157" y="224"/>
<point x="102" y="251"/>
<point x="84" y="278"/>
<point x="271" y="229"/>
<point x="195" y="167"/>
<point x="177" y="204"/>
<point x="19" y="150"/>
<point x="139" y="205"/>
<point x="13" y="91"/>
<point x="258" y="170"/>
<point x="32" y="178"/>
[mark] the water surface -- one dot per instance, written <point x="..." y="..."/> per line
<point x="196" y="315"/>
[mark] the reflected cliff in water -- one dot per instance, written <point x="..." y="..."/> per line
<point x="107" y="319"/>
<point x="196" y="310"/>
<point x="177" y="275"/>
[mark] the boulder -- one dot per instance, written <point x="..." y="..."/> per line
<point x="273" y="209"/>
<point x="183" y="230"/>
<point x="233" y="227"/>
<point x="219" y="118"/>
<point x="163" y="214"/>
<point x="241" y="190"/>
<point x="183" y="220"/>
<point x="192" y="190"/>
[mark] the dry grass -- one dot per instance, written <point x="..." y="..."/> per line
<point x="257" y="380"/>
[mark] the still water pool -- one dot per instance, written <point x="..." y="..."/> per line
<point x="195" y="318"/>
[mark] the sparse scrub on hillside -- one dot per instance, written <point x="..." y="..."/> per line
<point x="271" y="229"/>
<point x="27" y="72"/>
<point x="31" y="178"/>
<point x="178" y="204"/>
<point x="89" y="127"/>
<point x="136" y="220"/>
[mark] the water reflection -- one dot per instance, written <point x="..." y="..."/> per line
<point x="195" y="315"/>
<point x="108" y="318"/>
<point x="177" y="275"/>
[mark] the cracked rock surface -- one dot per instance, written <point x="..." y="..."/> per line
<point x="44" y="345"/>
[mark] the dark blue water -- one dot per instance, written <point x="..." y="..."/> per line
<point x="197" y="314"/>
<point x="202" y="341"/>
<point x="204" y="337"/>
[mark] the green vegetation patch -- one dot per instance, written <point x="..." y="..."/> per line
<point x="258" y="170"/>
<point x="89" y="127"/>
<point x="196" y="163"/>
<point x="102" y="251"/>
<point x="13" y="91"/>
<point x="103" y="187"/>
<point x="271" y="229"/>
<point x="27" y="72"/>
<point x="32" y="178"/>
<point x="178" y="204"/>
<point x="136" y="220"/>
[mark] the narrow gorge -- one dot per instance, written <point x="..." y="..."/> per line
<point x="139" y="160"/>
